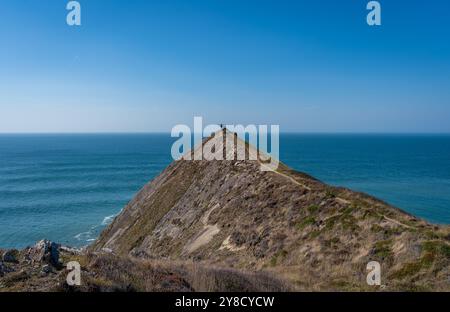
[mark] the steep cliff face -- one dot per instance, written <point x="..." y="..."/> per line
<point x="233" y="214"/>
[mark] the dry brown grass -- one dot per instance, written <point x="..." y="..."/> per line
<point x="214" y="279"/>
<point x="106" y="272"/>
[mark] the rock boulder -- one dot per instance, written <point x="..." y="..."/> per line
<point x="45" y="251"/>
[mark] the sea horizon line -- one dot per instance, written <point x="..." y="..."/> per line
<point x="281" y="132"/>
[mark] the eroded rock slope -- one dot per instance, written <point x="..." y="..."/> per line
<point x="232" y="214"/>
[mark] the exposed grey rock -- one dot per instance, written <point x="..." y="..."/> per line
<point x="4" y="269"/>
<point x="10" y="256"/>
<point x="71" y="250"/>
<point x="45" y="251"/>
<point x="47" y="269"/>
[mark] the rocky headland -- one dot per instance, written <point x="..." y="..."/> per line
<point x="227" y="225"/>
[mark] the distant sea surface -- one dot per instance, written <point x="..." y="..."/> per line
<point x="67" y="188"/>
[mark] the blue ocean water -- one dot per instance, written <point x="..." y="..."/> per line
<point x="67" y="188"/>
<point x="411" y="172"/>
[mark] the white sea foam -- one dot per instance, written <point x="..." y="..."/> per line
<point x="90" y="236"/>
<point x="83" y="236"/>
<point x="107" y="220"/>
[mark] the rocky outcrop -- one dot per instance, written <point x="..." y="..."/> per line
<point x="10" y="255"/>
<point x="44" y="252"/>
<point x="36" y="268"/>
<point x="5" y="269"/>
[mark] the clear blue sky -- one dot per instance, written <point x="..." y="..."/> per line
<point x="310" y="66"/>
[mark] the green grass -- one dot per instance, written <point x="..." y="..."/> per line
<point x="330" y="193"/>
<point x="432" y="252"/>
<point x="408" y="269"/>
<point x="386" y="230"/>
<point x="313" y="208"/>
<point x="383" y="249"/>
<point x="376" y="228"/>
<point x="279" y="256"/>
<point x="350" y="223"/>
<point x="304" y="223"/>
<point x="437" y="248"/>
<point x="314" y="234"/>
<point x="348" y="210"/>
<point x="330" y="222"/>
